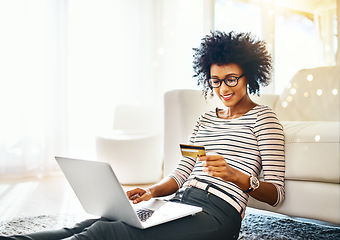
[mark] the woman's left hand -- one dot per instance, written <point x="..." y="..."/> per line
<point x="216" y="166"/>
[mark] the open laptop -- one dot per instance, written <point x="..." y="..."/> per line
<point x="101" y="194"/>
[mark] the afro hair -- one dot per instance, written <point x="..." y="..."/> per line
<point x="240" y="48"/>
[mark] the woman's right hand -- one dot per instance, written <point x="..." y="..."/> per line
<point x="164" y="188"/>
<point x="137" y="195"/>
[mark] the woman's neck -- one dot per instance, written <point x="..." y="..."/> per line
<point x="238" y="110"/>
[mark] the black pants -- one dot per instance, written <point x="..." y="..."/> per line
<point x="219" y="220"/>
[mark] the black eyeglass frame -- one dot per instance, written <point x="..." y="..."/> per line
<point x="224" y="80"/>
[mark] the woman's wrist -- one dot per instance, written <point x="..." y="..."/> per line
<point x="240" y="179"/>
<point x="148" y="191"/>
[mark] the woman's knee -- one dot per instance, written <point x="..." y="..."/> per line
<point x="79" y="227"/>
<point x="109" y="230"/>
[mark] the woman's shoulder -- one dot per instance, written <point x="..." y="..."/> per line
<point x="265" y="114"/>
<point x="263" y="109"/>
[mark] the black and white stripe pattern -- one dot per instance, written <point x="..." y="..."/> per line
<point x="251" y="143"/>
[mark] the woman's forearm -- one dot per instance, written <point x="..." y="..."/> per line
<point x="266" y="192"/>
<point x="165" y="187"/>
<point x="216" y="166"/>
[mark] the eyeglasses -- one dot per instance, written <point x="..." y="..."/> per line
<point x="230" y="81"/>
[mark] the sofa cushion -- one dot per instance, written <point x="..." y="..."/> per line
<point x="312" y="95"/>
<point x="312" y="151"/>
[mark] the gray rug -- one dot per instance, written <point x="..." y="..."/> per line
<point x="261" y="226"/>
<point x="254" y="227"/>
<point x="39" y="223"/>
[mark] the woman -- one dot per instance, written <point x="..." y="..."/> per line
<point x="240" y="140"/>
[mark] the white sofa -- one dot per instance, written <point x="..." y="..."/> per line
<point x="309" y="112"/>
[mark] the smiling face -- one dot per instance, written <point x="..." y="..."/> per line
<point x="230" y="96"/>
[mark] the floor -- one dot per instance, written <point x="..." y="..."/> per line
<point x="33" y="196"/>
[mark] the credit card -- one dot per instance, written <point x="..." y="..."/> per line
<point x="192" y="150"/>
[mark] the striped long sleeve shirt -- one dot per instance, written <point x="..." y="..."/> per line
<point x="251" y="143"/>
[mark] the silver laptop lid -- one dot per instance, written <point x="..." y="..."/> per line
<point x="98" y="189"/>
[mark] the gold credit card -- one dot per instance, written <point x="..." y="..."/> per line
<point x="192" y="150"/>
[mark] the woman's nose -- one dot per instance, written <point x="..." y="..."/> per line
<point x="224" y="87"/>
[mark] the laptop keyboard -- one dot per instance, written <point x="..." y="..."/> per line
<point x="144" y="213"/>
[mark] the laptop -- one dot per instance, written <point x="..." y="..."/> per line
<point x="101" y="194"/>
